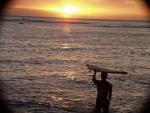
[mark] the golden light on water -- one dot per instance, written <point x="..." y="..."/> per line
<point x="65" y="46"/>
<point x="55" y="98"/>
<point x="71" y="75"/>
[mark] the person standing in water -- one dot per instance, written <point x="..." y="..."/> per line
<point x="104" y="93"/>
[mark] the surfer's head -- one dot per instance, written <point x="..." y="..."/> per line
<point x="104" y="75"/>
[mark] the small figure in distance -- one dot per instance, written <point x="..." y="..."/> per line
<point x="104" y="93"/>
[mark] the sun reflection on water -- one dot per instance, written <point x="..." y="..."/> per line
<point x="67" y="29"/>
<point x="70" y="75"/>
<point x="57" y="98"/>
<point x="65" y="46"/>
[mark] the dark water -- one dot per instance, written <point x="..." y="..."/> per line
<point x="42" y="64"/>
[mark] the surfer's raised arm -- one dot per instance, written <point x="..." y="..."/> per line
<point x="94" y="78"/>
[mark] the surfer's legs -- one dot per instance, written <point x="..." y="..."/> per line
<point x="106" y="107"/>
<point x="98" y="106"/>
<point x="97" y="110"/>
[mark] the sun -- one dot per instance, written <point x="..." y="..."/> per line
<point x="68" y="11"/>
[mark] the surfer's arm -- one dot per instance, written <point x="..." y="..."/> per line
<point x="94" y="78"/>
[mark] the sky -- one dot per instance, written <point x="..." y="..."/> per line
<point x="92" y="9"/>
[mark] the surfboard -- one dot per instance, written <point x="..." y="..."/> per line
<point x="99" y="69"/>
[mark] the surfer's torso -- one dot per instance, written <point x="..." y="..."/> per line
<point x="103" y="89"/>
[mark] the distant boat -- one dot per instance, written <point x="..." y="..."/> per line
<point x="21" y="23"/>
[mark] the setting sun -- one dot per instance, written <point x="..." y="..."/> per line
<point x="68" y="11"/>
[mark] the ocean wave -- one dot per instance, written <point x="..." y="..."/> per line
<point x="37" y="62"/>
<point x="123" y="26"/>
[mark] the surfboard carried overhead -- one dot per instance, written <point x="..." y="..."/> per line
<point x="99" y="69"/>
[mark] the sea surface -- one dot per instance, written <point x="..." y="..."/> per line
<point x="42" y="63"/>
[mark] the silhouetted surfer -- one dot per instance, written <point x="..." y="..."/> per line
<point x="104" y="93"/>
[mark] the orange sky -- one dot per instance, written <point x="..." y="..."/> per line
<point x="93" y="9"/>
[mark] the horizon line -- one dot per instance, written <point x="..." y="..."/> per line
<point x="98" y="19"/>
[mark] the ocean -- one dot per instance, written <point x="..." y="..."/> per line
<point x="42" y="63"/>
